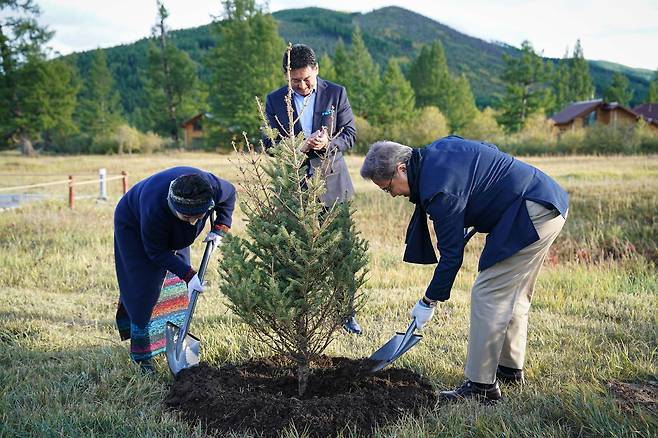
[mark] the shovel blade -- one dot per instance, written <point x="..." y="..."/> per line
<point x="186" y="355"/>
<point x="388" y="349"/>
<point x="393" y="349"/>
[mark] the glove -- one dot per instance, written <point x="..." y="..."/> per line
<point x="214" y="237"/>
<point x="194" y="284"/>
<point x="422" y="312"/>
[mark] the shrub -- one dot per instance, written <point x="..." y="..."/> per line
<point x="611" y="139"/>
<point x="647" y="137"/>
<point x="366" y="134"/>
<point x="127" y="139"/>
<point x="484" y="127"/>
<point x="425" y="126"/>
<point x="572" y="141"/>
<point x="428" y="125"/>
<point x="537" y="136"/>
<point x="150" y="143"/>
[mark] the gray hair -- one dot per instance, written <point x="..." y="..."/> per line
<point x="381" y="159"/>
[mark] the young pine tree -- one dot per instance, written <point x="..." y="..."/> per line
<point x="298" y="271"/>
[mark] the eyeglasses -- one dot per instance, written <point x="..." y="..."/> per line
<point x="387" y="189"/>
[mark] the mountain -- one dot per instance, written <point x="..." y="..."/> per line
<point x="387" y="32"/>
<point x="628" y="71"/>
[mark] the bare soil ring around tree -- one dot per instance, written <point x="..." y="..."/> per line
<point x="260" y="396"/>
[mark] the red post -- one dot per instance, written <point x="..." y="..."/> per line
<point x="124" y="181"/>
<point x="71" y="191"/>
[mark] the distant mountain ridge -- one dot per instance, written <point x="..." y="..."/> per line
<point x="390" y="31"/>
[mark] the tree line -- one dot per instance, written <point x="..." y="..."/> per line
<point x="46" y="103"/>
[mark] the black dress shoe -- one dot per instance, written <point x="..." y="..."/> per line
<point x="510" y="375"/>
<point x="479" y="391"/>
<point x="351" y="326"/>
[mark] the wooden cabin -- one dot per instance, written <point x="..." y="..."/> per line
<point x="649" y="111"/>
<point x="586" y="113"/>
<point x="193" y="128"/>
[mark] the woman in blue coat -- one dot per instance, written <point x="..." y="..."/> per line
<point x="461" y="184"/>
<point x="155" y="223"/>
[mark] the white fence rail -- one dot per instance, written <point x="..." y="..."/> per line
<point x="13" y="199"/>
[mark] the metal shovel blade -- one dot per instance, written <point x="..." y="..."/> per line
<point x="182" y="348"/>
<point x="395" y="347"/>
<point x="180" y="355"/>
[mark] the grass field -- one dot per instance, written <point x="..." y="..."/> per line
<point x="63" y="371"/>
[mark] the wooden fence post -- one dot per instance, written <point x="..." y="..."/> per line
<point x="71" y="191"/>
<point x="124" y="181"/>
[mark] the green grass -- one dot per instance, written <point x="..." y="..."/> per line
<point x="63" y="371"/>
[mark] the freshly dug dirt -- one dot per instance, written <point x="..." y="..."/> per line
<point x="632" y="395"/>
<point x="260" y="396"/>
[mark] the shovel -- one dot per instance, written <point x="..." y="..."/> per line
<point x="182" y="347"/>
<point x="395" y="347"/>
<point x="403" y="342"/>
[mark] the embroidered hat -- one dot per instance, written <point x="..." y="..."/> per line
<point x="190" y="195"/>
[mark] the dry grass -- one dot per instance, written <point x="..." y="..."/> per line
<point x="63" y="371"/>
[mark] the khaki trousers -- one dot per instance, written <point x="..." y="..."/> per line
<point x="500" y="301"/>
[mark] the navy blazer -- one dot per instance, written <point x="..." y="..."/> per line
<point x="465" y="183"/>
<point x="332" y="109"/>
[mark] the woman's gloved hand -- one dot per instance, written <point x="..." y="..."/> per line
<point x="216" y="234"/>
<point x="214" y="237"/>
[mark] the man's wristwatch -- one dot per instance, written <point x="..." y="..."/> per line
<point x="428" y="302"/>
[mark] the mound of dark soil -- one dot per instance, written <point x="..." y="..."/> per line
<point x="631" y="395"/>
<point x="260" y="396"/>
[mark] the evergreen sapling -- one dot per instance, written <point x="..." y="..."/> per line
<point x="297" y="274"/>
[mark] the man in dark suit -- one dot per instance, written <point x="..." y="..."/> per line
<point x="322" y="112"/>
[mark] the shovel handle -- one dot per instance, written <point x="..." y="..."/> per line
<point x="410" y="331"/>
<point x="210" y="246"/>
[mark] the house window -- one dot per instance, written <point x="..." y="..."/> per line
<point x="196" y="126"/>
<point x="589" y="119"/>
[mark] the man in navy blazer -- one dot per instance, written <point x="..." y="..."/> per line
<point x="461" y="184"/>
<point x="323" y="113"/>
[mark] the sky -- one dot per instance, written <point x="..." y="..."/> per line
<point x="624" y="32"/>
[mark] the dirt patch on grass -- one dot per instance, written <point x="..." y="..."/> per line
<point x="261" y="396"/>
<point x="631" y="395"/>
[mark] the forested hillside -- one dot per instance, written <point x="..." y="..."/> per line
<point x="387" y="32"/>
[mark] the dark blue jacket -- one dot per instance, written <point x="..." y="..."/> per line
<point x="150" y="240"/>
<point x="465" y="183"/>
